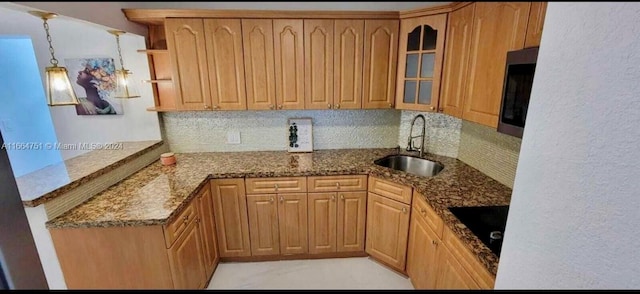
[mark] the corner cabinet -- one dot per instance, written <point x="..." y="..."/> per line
<point x="420" y="57"/>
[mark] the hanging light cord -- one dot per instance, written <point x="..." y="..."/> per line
<point x="119" y="51"/>
<point x="53" y="60"/>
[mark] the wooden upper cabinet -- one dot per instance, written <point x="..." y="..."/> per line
<point x="230" y="209"/>
<point x="259" y="64"/>
<point x="187" y="47"/>
<point x="288" y="38"/>
<point x="421" y="52"/>
<point x="318" y="63"/>
<point x="292" y="220"/>
<point x="535" y="24"/>
<point x="348" y="45"/>
<point x="225" y="64"/>
<point x="454" y="77"/>
<point x="380" y="56"/>
<point x="498" y="27"/>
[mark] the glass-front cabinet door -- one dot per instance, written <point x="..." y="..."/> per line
<point x="421" y="52"/>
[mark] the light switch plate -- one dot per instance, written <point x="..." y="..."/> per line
<point x="233" y="137"/>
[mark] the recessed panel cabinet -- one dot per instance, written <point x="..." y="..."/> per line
<point x="318" y="60"/>
<point x="387" y="230"/>
<point x="421" y="52"/>
<point x="259" y="63"/>
<point x="348" y="46"/>
<point x="288" y="36"/>
<point x="380" y="63"/>
<point x="230" y="209"/>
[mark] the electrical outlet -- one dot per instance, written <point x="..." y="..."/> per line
<point x="233" y="137"/>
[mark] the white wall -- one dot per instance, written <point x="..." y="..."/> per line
<point x="573" y="220"/>
<point x="73" y="39"/>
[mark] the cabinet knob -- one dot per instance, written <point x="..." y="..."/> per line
<point x="280" y="106"/>
<point x="432" y="108"/>
<point x="423" y="211"/>
<point x="338" y="185"/>
<point x="271" y="106"/>
<point x="281" y="199"/>
<point x="216" y="107"/>
<point x="197" y="220"/>
<point x="271" y="199"/>
<point x="441" y="109"/>
<point x="207" y="107"/>
<point x="276" y="186"/>
<point x="185" y="218"/>
<point x="337" y="106"/>
<point x="390" y="104"/>
<point x="333" y="197"/>
<point x="342" y="197"/>
<point x="329" y="106"/>
<point x="404" y="210"/>
<point x="434" y="242"/>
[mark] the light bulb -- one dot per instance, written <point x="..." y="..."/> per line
<point x="59" y="84"/>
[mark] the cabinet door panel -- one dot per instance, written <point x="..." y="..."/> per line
<point x="451" y="275"/>
<point x="498" y="27"/>
<point x="208" y="230"/>
<point x="186" y="44"/>
<point x="292" y="218"/>
<point x="454" y="77"/>
<point x="230" y="207"/>
<point x="263" y="224"/>
<point x="318" y="53"/>
<point x="535" y="24"/>
<point x="185" y="257"/>
<point x="348" y="46"/>
<point x="387" y="230"/>
<point x="380" y="56"/>
<point x="422" y="253"/>
<point x="289" y="56"/>
<point x="322" y="222"/>
<point x="259" y="64"/>
<point x="225" y="63"/>
<point x="352" y="216"/>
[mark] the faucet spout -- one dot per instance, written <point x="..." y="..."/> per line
<point x="410" y="145"/>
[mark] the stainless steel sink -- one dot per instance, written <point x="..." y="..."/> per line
<point x="413" y="165"/>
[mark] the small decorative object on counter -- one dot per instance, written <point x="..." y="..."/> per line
<point x="300" y="135"/>
<point x="168" y="158"/>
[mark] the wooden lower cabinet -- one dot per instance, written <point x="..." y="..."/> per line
<point x="292" y="219"/>
<point x="422" y="252"/>
<point x="337" y="222"/>
<point x="208" y="230"/>
<point x="322" y="222"/>
<point x="187" y="260"/>
<point x="451" y="275"/>
<point x="230" y="210"/>
<point x="351" y="222"/>
<point x="263" y="224"/>
<point x="387" y="230"/>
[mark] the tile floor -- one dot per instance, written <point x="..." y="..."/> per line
<point x="333" y="273"/>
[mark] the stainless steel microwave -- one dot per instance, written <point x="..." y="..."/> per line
<point x="516" y="91"/>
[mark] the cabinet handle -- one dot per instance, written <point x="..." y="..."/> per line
<point x="434" y="242"/>
<point x="185" y="218"/>
<point x="329" y="106"/>
<point x="216" y="107"/>
<point x="441" y="109"/>
<point x="271" y="106"/>
<point x="338" y="185"/>
<point x="206" y="106"/>
<point x="333" y="197"/>
<point x="390" y="104"/>
<point x="281" y="199"/>
<point x="271" y="199"/>
<point x="280" y="106"/>
<point x="432" y="108"/>
<point x="423" y="211"/>
<point x="197" y="220"/>
<point x="337" y="106"/>
<point x="276" y="186"/>
<point x="404" y="210"/>
<point x="342" y="197"/>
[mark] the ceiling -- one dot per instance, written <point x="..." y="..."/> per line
<point x="362" y="6"/>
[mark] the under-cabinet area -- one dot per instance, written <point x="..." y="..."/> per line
<point x="249" y="219"/>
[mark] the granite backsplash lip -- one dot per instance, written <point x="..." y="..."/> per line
<point x="157" y="193"/>
<point x="52" y="181"/>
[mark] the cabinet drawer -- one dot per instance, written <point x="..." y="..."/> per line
<point x="276" y="185"/>
<point x="468" y="260"/>
<point x="424" y="211"/>
<point x="173" y="229"/>
<point x="337" y="183"/>
<point x="390" y="190"/>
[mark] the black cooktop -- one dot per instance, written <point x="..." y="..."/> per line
<point x="485" y="222"/>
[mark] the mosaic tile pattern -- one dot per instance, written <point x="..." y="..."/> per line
<point x="442" y="132"/>
<point x="157" y="193"/>
<point x="492" y="153"/>
<point x="52" y="181"/>
<point x="206" y="131"/>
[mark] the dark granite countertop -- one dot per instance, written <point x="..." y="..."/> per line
<point x="54" y="180"/>
<point x="157" y="193"/>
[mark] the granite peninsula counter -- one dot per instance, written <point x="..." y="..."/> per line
<point x="157" y="193"/>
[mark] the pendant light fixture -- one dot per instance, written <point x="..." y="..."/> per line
<point x="126" y="87"/>
<point x="59" y="90"/>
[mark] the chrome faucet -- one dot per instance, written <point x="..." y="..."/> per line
<point x="410" y="146"/>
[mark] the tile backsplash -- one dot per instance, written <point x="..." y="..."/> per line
<point x="495" y="154"/>
<point x="442" y="134"/>
<point x="206" y="131"/>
